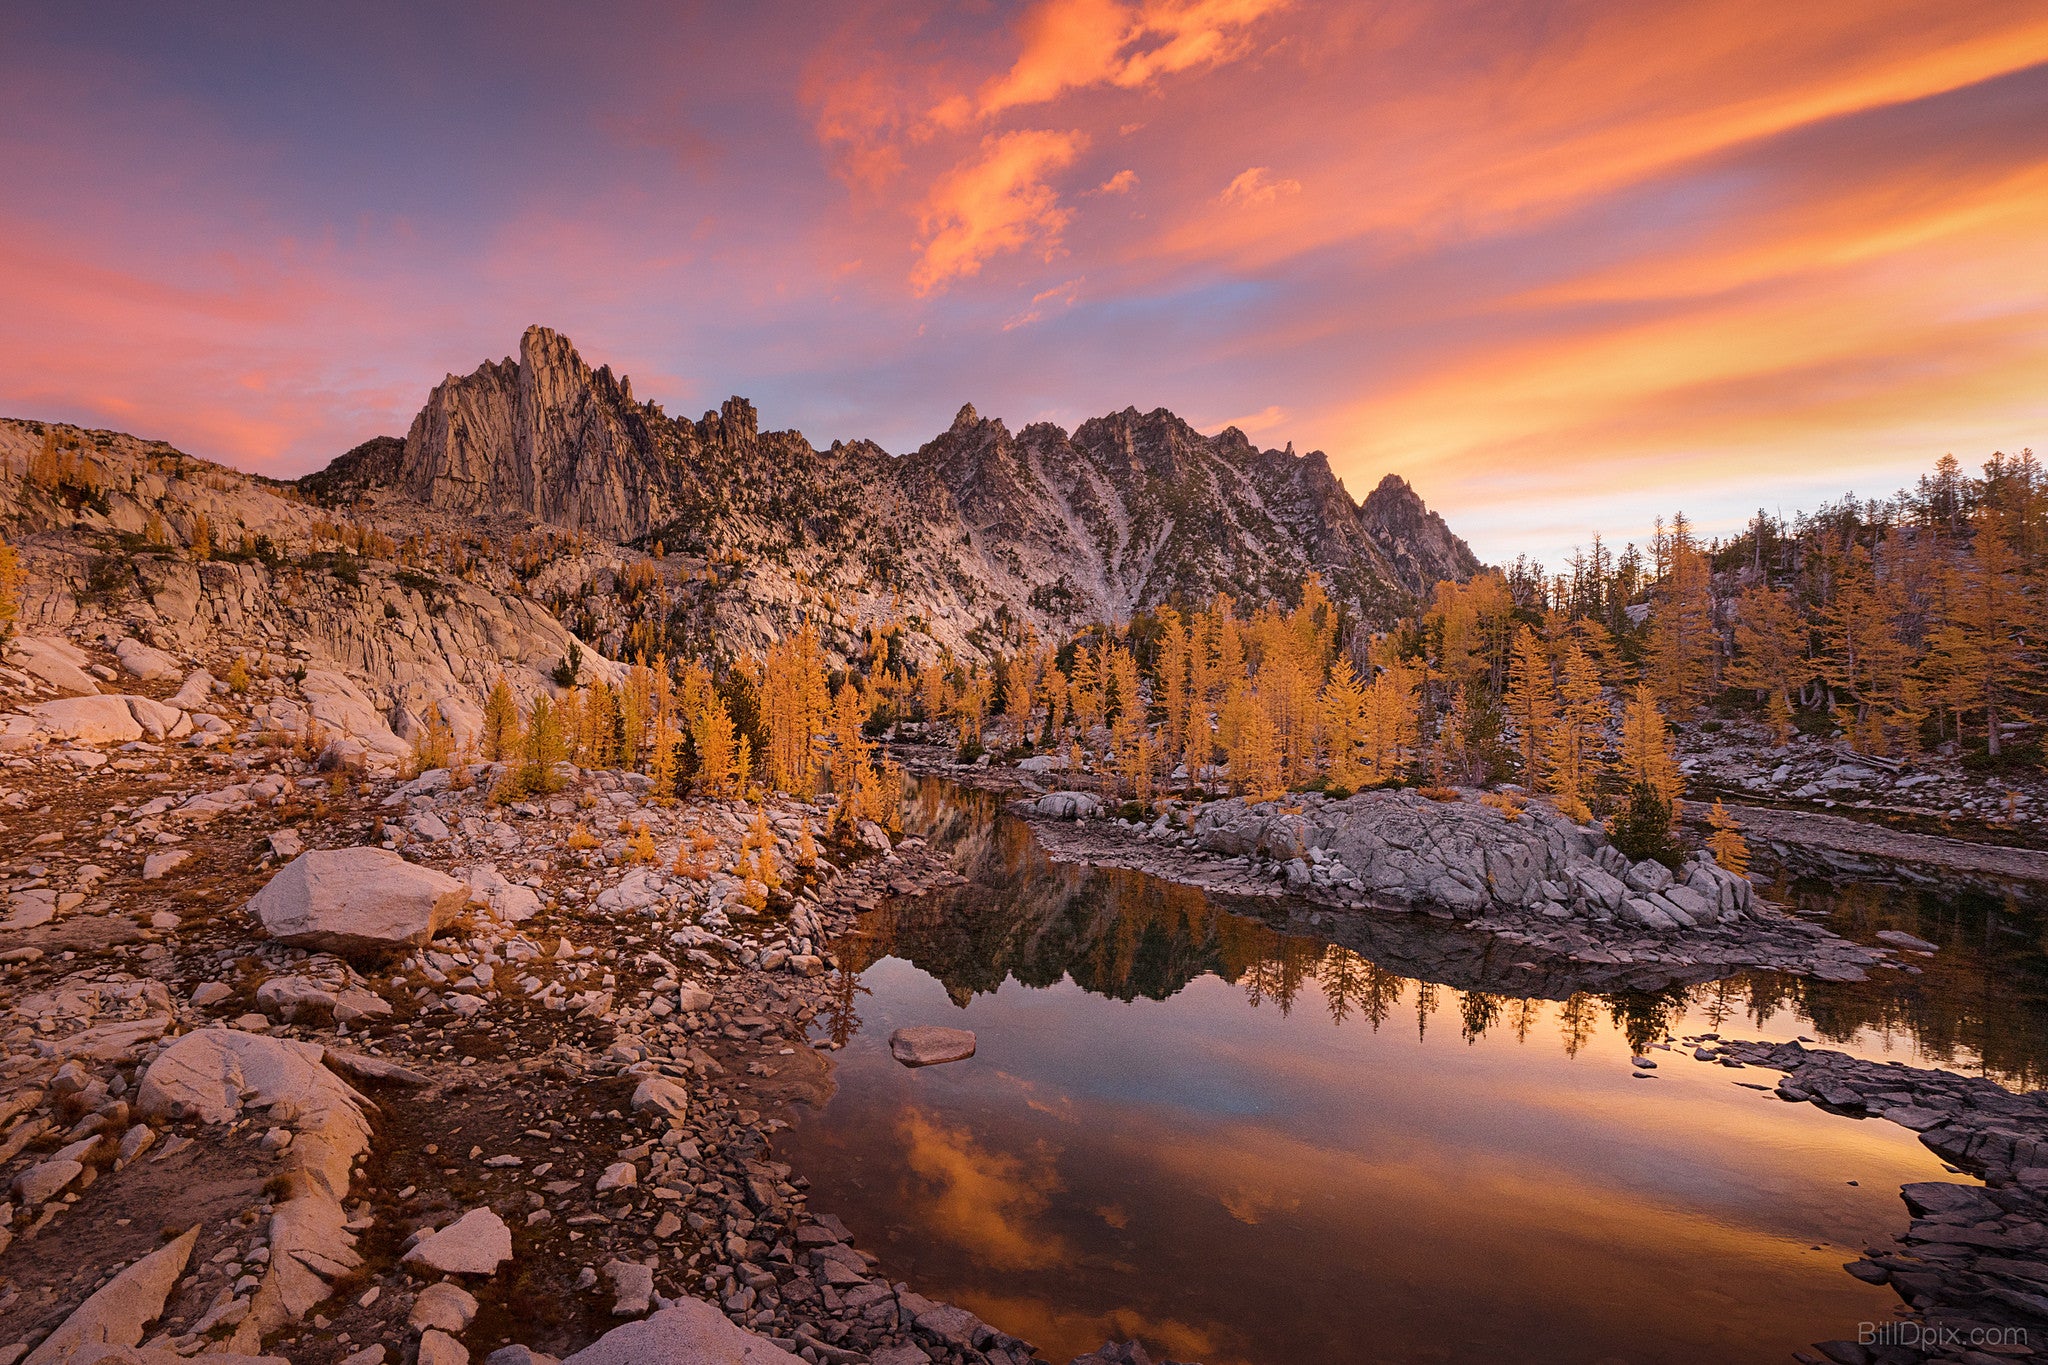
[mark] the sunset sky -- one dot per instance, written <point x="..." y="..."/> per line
<point x="1563" y="265"/>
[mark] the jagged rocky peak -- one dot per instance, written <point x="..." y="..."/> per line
<point x="1417" y="543"/>
<point x="1127" y="510"/>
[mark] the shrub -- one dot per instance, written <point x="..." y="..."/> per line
<point x="1641" y="829"/>
<point x="571" y="665"/>
<point x="1507" y="803"/>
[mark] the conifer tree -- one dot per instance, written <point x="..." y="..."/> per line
<point x="1726" y="842"/>
<point x="1646" y="750"/>
<point x="501" y="723"/>
<point x="1573" y="765"/>
<point x="1255" y="755"/>
<point x="1531" y="701"/>
<point x="1344" y="725"/>
<point x="1987" y="655"/>
<point x="1681" y="658"/>
<point x="11" y="580"/>
<point x="1769" y="653"/>
<point x="795" y="701"/>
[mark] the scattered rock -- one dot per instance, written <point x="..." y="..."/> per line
<point x="475" y="1244"/>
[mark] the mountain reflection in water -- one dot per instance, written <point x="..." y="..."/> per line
<point x="1255" y="1133"/>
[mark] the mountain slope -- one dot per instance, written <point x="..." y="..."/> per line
<point x="1041" y="525"/>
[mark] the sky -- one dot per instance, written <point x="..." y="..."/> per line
<point x="1564" y="265"/>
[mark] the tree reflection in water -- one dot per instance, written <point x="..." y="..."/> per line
<point x="1980" y="1004"/>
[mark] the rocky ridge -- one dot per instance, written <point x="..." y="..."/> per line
<point x="1058" y="528"/>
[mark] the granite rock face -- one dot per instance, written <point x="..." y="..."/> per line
<point x="1399" y="847"/>
<point x="1061" y="527"/>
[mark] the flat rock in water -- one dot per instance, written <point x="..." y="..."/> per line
<point x="693" y="1331"/>
<point x="1899" y="938"/>
<point x="929" y="1045"/>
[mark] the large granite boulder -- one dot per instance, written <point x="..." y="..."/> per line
<point x="99" y="719"/>
<point x="352" y="900"/>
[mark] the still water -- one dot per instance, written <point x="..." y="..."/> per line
<point x="1215" y="1129"/>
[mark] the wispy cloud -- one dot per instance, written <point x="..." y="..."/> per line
<point x="1257" y="187"/>
<point x="997" y="201"/>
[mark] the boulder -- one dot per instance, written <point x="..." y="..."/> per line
<point x="1067" y="806"/>
<point x="690" y="1332"/>
<point x="195" y="693"/>
<point x="444" y="1305"/>
<point x="438" y="1348"/>
<point x="145" y="661"/>
<point x="46" y="1180"/>
<point x="157" y="720"/>
<point x="632" y="1287"/>
<point x="120" y="1310"/>
<point x="158" y="864"/>
<point x="475" y="1244"/>
<point x="57" y="663"/>
<point x="930" y="1045"/>
<point x="507" y="899"/>
<point x="92" y="720"/>
<point x="1647" y="876"/>
<point x="356" y="900"/>
<point x="660" y="1095"/>
<point x="346" y="711"/>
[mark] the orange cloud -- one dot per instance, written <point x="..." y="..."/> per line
<point x="1073" y="44"/>
<point x="993" y="1201"/>
<point x="1123" y="182"/>
<point x="997" y="202"/>
<point x="1256" y="187"/>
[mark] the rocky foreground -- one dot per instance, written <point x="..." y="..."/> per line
<point x="300" y="1061"/>
<point x="1973" y="1264"/>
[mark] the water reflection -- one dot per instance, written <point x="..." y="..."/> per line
<point x="1253" y="1134"/>
<point x="1981" y="1004"/>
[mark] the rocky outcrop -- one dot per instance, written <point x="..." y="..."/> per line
<point x="357" y="900"/>
<point x="215" y="1075"/>
<point x="1469" y="859"/>
<point x="119" y="1311"/>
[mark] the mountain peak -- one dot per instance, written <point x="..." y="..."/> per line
<point x="1129" y="510"/>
